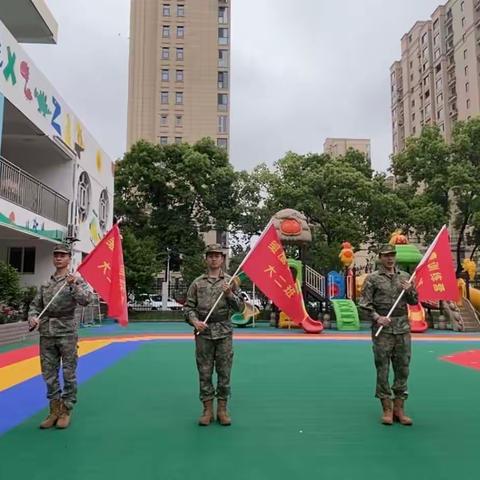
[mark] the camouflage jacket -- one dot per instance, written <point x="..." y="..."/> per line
<point x="379" y="293"/>
<point x="202" y="295"/>
<point x="58" y="320"/>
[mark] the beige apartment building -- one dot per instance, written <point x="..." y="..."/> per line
<point x="337" y="147"/>
<point x="179" y="72"/>
<point x="437" y="78"/>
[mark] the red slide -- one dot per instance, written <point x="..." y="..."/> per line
<point x="416" y="317"/>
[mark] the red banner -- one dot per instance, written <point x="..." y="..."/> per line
<point x="267" y="267"/>
<point x="435" y="277"/>
<point x="104" y="270"/>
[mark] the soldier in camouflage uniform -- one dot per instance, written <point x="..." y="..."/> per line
<point x="393" y="345"/>
<point x="58" y="335"/>
<point x="213" y="342"/>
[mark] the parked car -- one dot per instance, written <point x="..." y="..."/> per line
<point x="153" y="302"/>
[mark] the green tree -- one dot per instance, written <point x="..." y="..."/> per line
<point x="10" y="291"/>
<point x="167" y="194"/>
<point x="141" y="262"/>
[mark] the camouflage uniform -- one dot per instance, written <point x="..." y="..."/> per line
<point x="214" y="346"/>
<point x="58" y="335"/>
<point x="393" y="345"/>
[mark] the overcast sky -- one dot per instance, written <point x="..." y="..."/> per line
<point x="302" y="71"/>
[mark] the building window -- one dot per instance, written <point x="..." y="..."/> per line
<point x="164" y="119"/>
<point x="166" y="10"/>
<point x="165" y="53"/>
<point x="178" y="140"/>
<point x="179" y="98"/>
<point x="103" y="209"/>
<point x="465" y="54"/>
<point x="411" y="77"/>
<point x="435" y="39"/>
<point x="413" y="117"/>
<point x="164" y="98"/>
<point x="222" y="124"/>
<point x="223" y="36"/>
<point x="180" y="54"/>
<point x="222" y="15"/>
<point x="467" y="87"/>
<point x="462" y="6"/>
<point x="22" y="259"/>
<point x="222" y="80"/>
<point x="178" y="120"/>
<point x="165" y="75"/>
<point x="413" y="103"/>
<point x="424" y="37"/>
<point x="463" y="21"/>
<point x="163" y="140"/>
<point x="180" y="31"/>
<point x="414" y="130"/>
<point x="468" y="103"/>
<point x="466" y="70"/>
<point x="166" y="31"/>
<point x="438" y="84"/>
<point x="435" y="24"/>
<point x="179" y="75"/>
<point x="180" y="10"/>
<point x="222" y="143"/>
<point x="222" y="101"/>
<point x="83" y="196"/>
<point x="437" y="53"/>
<point x="223" y="58"/>
<point x="439" y="98"/>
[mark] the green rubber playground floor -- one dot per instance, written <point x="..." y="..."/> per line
<point x="300" y="410"/>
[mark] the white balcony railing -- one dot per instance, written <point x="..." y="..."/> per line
<point x="19" y="187"/>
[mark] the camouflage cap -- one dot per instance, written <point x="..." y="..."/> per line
<point x="62" y="248"/>
<point x="214" y="248"/>
<point x="387" y="249"/>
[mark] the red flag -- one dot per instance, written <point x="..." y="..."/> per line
<point x="435" y="277"/>
<point x="104" y="270"/>
<point x="267" y="266"/>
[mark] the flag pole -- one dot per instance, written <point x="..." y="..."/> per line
<point x="235" y="274"/>
<point x="412" y="277"/>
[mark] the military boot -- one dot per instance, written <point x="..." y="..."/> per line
<point x="207" y="415"/>
<point x="222" y="414"/>
<point x="387" y="417"/>
<point x="399" y="414"/>
<point x="52" y="418"/>
<point x="64" y="417"/>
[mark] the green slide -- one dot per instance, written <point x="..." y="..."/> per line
<point x="239" y="321"/>
<point x="346" y="314"/>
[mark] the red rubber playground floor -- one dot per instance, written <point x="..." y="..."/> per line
<point x="302" y="407"/>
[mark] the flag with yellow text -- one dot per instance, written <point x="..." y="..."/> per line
<point x="104" y="270"/>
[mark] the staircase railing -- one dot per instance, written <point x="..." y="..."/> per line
<point x="315" y="281"/>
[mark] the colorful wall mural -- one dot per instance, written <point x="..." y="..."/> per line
<point x="23" y="84"/>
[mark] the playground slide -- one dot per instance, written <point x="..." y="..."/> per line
<point x="475" y="298"/>
<point x="308" y="324"/>
<point x="240" y="321"/>
<point x="416" y="317"/>
<point x="346" y="315"/>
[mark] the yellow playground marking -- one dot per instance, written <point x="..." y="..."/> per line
<point x="26" y="369"/>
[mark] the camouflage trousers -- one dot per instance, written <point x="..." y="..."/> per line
<point x="56" y="351"/>
<point x="395" y="349"/>
<point x="212" y="354"/>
